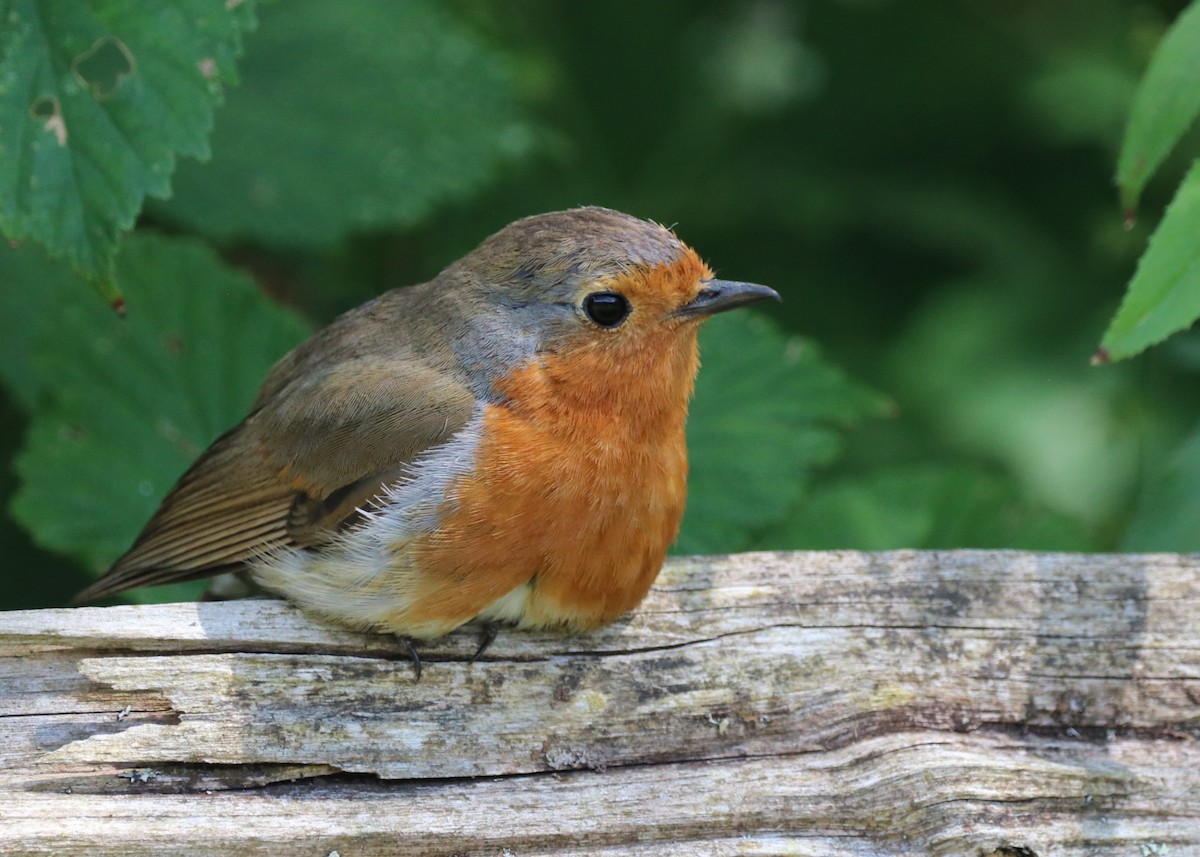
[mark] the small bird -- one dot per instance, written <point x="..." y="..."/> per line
<point x="504" y="443"/>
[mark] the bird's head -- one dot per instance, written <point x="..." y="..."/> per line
<point x="594" y="281"/>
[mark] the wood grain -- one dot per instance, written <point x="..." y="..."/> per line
<point x="961" y="702"/>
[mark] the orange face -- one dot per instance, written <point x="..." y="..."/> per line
<point x="644" y="362"/>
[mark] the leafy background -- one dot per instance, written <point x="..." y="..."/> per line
<point x="929" y="184"/>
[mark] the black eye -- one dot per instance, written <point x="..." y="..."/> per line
<point x="607" y="309"/>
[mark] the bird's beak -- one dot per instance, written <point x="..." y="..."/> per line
<point x="719" y="295"/>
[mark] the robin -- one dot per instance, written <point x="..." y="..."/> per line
<point x="504" y="443"/>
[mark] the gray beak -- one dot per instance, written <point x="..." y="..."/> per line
<point x="719" y="295"/>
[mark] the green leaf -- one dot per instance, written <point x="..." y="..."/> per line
<point x="384" y="109"/>
<point x="31" y="290"/>
<point x="1168" y="516"/>
<point x="1165" y="105"/>
<point x="30" y="578"/>
<point x="133" y="401"/>
<point x="1164" y="295"/>
<point x="96" y="101"/>
<point x="924" y="506"/>
<point x="766" y="412"/>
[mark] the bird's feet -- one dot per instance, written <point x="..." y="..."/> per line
<point x="412" y="656"/>
<point x="487" y="636"/>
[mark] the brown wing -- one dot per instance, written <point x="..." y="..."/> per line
<point x="295" y="471"/>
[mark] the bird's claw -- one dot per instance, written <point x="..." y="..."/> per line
<point x="413" y="656"/>
<point x="487" y="636"/>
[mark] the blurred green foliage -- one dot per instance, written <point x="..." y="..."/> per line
<point x="351" y="115"/>
<point x="928" y="183"/>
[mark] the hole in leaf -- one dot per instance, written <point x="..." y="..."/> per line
<point x="45" y="107"/>
<point x="48" y="109"/>
<point x="103" y="67"/>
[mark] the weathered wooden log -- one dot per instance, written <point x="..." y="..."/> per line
<point x="965" y="702"/>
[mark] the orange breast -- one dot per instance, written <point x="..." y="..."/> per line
<point x="580" y="484"/>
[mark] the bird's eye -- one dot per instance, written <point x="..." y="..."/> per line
<point x="607" y="309"/>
